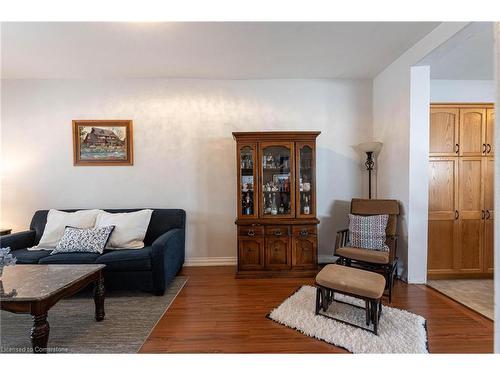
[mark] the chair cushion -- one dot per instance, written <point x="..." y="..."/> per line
<point x="352" y="280"/>
<point x="363" y="255"/>
<point x="25" y="256"/>
<point x="127" y="260"/>
<point x="70" y="258"/>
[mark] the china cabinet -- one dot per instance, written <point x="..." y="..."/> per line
<point x="276" y="199"/>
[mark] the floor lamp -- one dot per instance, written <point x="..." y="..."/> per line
<point x="371" y="149"/>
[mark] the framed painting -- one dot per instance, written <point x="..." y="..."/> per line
<point x="102" y="142"/>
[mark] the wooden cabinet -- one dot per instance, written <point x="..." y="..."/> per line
<point x="490" y="131"/>
<point x="472" y="133"/>
<point x="460" y="233"/>
<point x="489" y="206"/>
<point x="443" y="214"/>
<point x="276" y="200"/>
<point x="443" y="139"/>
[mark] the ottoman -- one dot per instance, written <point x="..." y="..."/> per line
<point x="365" y="285"/>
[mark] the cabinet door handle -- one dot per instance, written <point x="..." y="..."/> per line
<point x="489" y="148"/>
<point x="483" y="214"/>
<point x="457" y="148"/>
<point x="488" y="214"/>
<point x="304" y="232"/>
<point x="251" y="233"/>
<point x="456" y="215"/>
<point x="277" y="232"/>
<point x="484" y="148"/>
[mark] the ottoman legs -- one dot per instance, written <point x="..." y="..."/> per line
<point x="373" y="307"/>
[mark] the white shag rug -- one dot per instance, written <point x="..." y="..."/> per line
<point x="399" y="331"/>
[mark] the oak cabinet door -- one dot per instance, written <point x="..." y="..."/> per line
<point x="472" y="214"/>
<point x="250" y="253"/>
<point x="472" y="134"/>
<point x="443" y="214"/>
<point x="489" y="225"/>
<point x="490" y="132"/>
<point x="304" y="252"/>
<point x="489" y="206"/>
<point x="443" y="131"/>
<point x="278" y="253"/>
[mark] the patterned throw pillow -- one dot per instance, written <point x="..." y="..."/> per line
<point x="368" y="232"/>
<point x="77" y="240"/>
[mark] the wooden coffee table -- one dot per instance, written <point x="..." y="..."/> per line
<point x="34" y="289"/>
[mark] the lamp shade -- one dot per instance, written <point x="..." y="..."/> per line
<point x="374" y="147"/>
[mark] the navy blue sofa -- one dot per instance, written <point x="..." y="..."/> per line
<point x="150" y="269"/>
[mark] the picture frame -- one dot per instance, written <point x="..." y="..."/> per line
<point x="102" y="142"/>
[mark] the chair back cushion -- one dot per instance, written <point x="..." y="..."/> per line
<point x="369" y="207"/>
<point x="368" y="232"/>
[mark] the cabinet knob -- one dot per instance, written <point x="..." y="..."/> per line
<point x="304" y="232"/>
<point x="251" y="232"/>
<point x="277" y="232"/>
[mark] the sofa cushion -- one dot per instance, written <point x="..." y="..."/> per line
<point x="127" y="260"/>
<point x="25" y="256"/>
<point x="70" y="258"/>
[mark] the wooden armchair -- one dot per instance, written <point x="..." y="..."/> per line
<point x="378" y="261"/>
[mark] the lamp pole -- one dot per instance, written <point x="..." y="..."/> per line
<point x="369" y="167"/>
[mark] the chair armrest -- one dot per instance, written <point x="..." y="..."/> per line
<point x="341" y="238"/>
<point x="18" y="240"/>
<point x="392" y="242"/>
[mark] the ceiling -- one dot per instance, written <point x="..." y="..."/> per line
<point x="212" y="50"/>
<point x="469" y="54"/>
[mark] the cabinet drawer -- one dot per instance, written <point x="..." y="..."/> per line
<point x="304" y="230"/>
<point x="278" y="230"/>
<point x="250" y="230"/>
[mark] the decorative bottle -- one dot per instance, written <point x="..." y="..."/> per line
<point x="307" y="209"/>
<point x="274" y="208"/>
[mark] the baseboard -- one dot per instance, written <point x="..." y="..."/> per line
<point x="212" y="261"/>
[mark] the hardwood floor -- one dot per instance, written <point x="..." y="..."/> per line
<point x="216" y="313"/>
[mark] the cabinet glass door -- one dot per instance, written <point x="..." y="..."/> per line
<point x="305" y="185"/>
<point x="277" y="197"/>
<point x="247" y="204"/>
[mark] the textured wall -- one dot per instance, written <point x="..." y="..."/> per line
<point x="183" y="147"/>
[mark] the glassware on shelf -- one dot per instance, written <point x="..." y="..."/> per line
<point x="276" y="184"/>
<point x="305" y="180"/>
<point x="247" y="180"/>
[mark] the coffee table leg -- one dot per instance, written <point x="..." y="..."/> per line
<point x="99" y="298"/>
<point x="40" y="333"/>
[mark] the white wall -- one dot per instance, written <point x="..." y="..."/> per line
<point x="462" y="91"/>
<point x="183" y="147"/>
<point x="391" y="125"/>
<point x="418" y="172"/>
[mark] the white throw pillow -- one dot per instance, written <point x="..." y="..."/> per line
<point x="57" y="221"/>
<point x="130" y="228"/>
